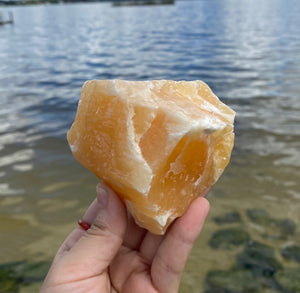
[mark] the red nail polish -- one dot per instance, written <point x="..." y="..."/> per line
<point x="84" y="225"/>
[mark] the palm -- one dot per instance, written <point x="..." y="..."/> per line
<point x="133" y="268"/>
<point x="135" y="277"/>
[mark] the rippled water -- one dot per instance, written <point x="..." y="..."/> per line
<point x="247" y="51"/>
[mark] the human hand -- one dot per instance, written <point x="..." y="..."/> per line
<point x="116" y="255"/>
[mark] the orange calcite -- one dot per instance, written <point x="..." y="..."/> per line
<point x="159" y="144"/>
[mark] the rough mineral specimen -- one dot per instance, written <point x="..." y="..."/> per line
<point x="159" y="144"/>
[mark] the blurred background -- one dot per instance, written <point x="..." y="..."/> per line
<point x="247" y="51"/>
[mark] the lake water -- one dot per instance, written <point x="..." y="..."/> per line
<point x="247" y="51"/>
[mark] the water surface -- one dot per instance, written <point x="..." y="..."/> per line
<point x="247" y="51"/>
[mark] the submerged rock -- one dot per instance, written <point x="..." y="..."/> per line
<point x="287" y="226"/>
<point x="291" y="252"/>
<point x="289" y="280"/>
<point x="278" y="228"/>
<point x="27" y="272"/>
<point x="226" y="238"/>
<point x="259" y="216"/>
<point x="8" y="281"/>
<point x="259" y="258"/>
<point x="234" y="281"/>
<point x="228" y="218"/>
<point x="15" y="274"/>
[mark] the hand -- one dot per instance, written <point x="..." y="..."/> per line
<point x="116" y="255"/>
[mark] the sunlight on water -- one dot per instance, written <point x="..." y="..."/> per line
<point x="247" y="51"/>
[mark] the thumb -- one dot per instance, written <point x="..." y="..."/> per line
<point x="97" y="247"/>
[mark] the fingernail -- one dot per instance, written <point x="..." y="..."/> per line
<point x="102" y="196"/>
<point x="84" y="225"/>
